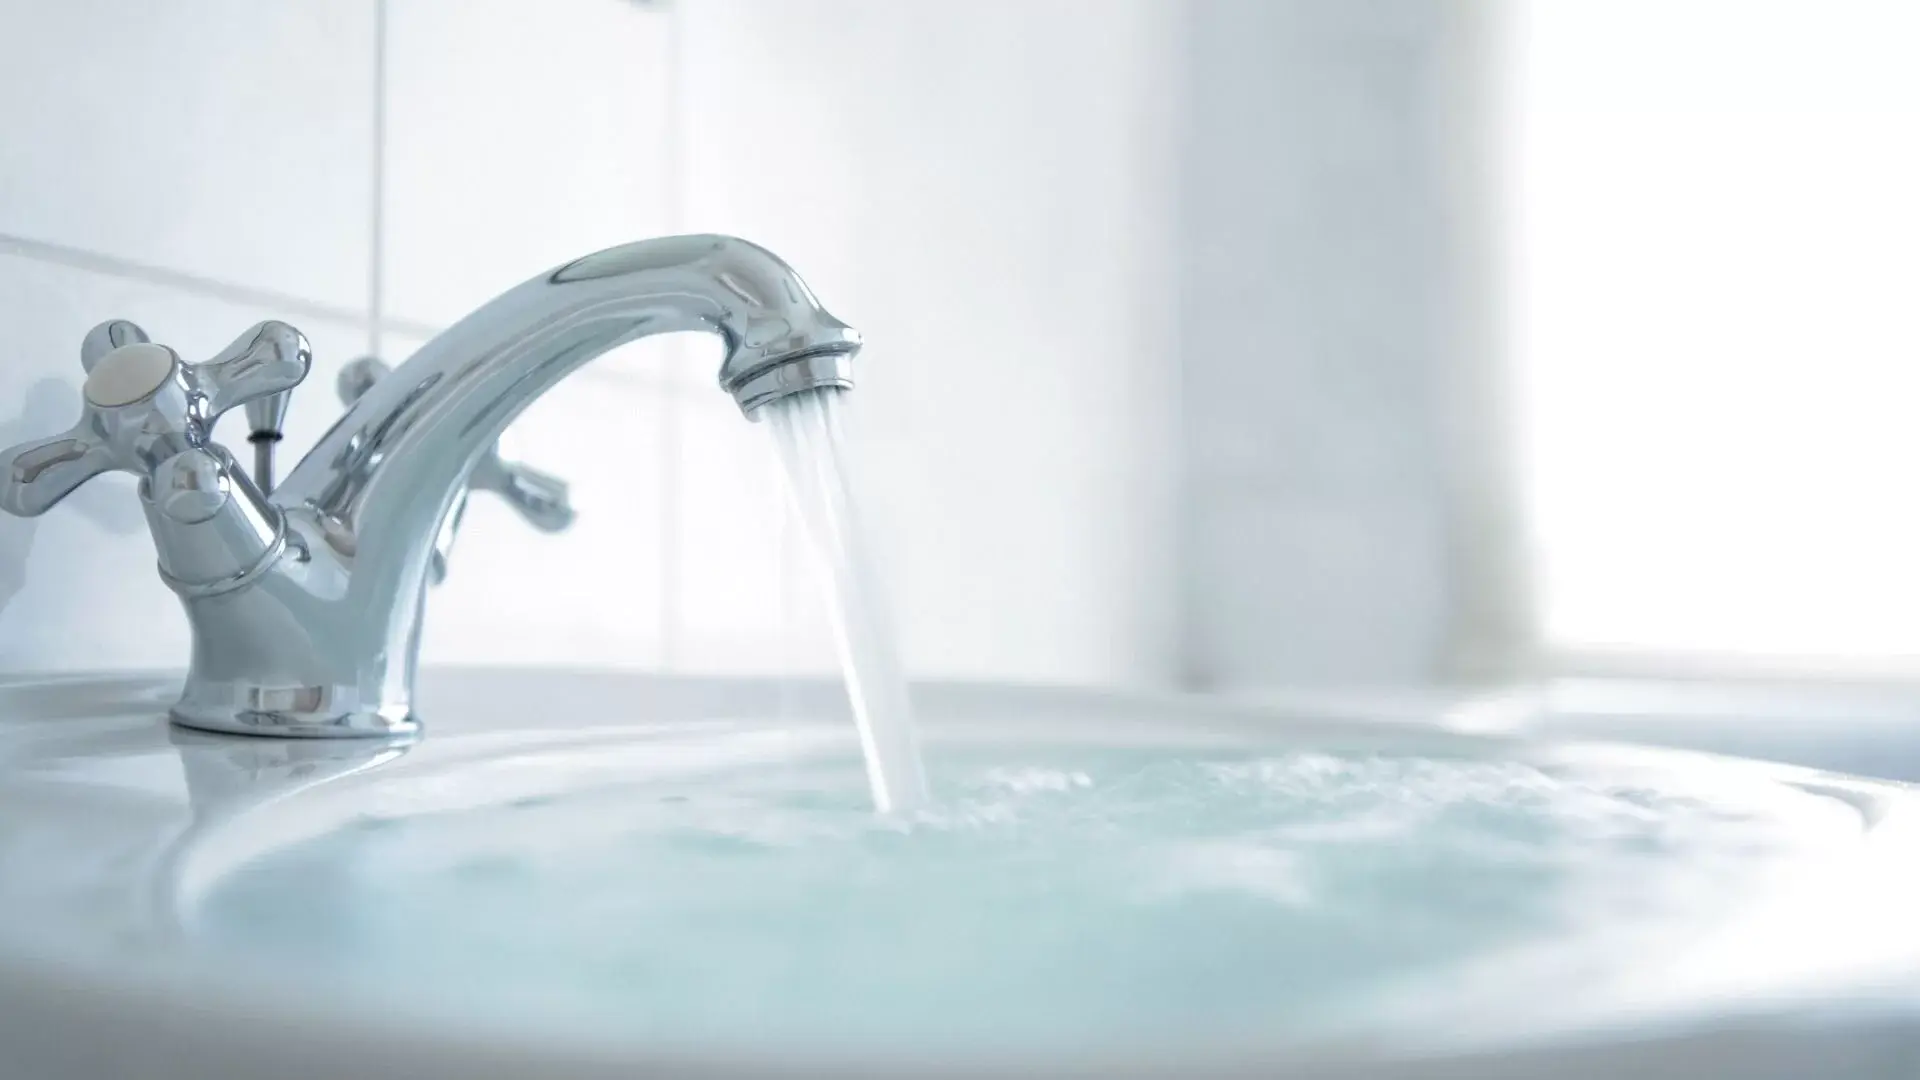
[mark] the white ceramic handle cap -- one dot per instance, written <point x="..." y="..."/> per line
<point x="128" y="374"/>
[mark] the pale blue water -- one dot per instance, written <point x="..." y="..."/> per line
<point x="1054" y="899"/>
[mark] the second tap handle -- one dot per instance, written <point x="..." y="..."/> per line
<point x="358" y="377"/>
<point x="537" y="496"/>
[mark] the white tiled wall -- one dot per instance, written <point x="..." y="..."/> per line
<point x="227" y="139"/>
<point x="197" y="166"/>
<point x="519" y="135"/>
<point x="984" y="189"/>
<point x="1326" y="342"/>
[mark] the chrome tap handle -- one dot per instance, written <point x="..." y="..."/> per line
<point x="134" y="414"/>
<point x="107" y="337"/>
<point x="539" y="497"/>
<point x="264" y="363"/>
<point x="358" y="377"/>
<point x="39" y="474"/>
<point x="145" y="412"/>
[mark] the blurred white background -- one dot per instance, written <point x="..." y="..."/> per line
<point x="1224" y="343"/>
<point x="1716" y="264"/>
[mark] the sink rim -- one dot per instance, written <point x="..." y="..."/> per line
<point x="381" y="1040"/>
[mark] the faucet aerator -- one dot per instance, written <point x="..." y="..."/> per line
<point x="807" y="371"/>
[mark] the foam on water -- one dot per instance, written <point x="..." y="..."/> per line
<point x="1057" y="899"/>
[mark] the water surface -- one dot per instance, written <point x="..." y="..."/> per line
<point x="1056" y="898"/>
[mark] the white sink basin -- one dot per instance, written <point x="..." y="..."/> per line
<point x="594" y="875"/>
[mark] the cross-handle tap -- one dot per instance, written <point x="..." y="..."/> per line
<point x="539" y="497"/>
<point x="264" y="412"/>
<point x="144" y="411"/>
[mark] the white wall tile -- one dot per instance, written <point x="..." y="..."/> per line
<point x="999" y="225"/>
<point x="1320" y="335"/>
<point x="1297" y="590"/>
<point x="993" y="221"/>
<point x="78" y="588"/>
<point x="223" y="138"/>
<point x="591" y="596"/>
<point x="519" y="135"/>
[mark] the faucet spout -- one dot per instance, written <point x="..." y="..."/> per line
<point x="322" y="640"/>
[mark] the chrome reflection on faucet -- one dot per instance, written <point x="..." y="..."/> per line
<point x="305" y="606"/>
<point x="540" y="498"/>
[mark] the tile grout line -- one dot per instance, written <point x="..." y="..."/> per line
<point x="670" y="479"/>
<point x="376" y="211"/>
<point x="179" y="280"/>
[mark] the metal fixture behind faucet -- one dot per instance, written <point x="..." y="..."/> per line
<point x="305" y="606"/>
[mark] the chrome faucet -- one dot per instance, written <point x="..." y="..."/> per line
<point x="305" y="606"/>
<point x="540" y="498"/>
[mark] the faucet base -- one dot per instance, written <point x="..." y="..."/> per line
<point x="279" y="724"/>
<point x="290" y="709"/>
